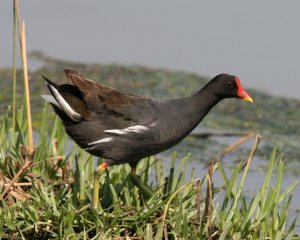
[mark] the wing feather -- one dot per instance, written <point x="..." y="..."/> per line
<point x="109" y="101"/>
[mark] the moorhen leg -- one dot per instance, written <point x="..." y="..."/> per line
<point x="100" y="169"/>
<point x="135" y="179"/>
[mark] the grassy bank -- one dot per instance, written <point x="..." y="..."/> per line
<point x="43" y="199"/>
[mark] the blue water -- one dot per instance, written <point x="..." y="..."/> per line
<point x="256" y="40"/>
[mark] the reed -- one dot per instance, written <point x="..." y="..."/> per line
<point x="26" y="89"/>
<point x="14" y="68"/>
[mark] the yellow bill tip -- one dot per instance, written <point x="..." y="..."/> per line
<point x="248" y="99"/>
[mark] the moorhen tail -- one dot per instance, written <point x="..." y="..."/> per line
<point x="125" y="128"/>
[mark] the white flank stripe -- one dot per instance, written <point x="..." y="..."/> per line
<point x="65" y="106"/>
<point x="116" y="131"/>
<point x="103" y="140"/>
<point x="136" y="129"/>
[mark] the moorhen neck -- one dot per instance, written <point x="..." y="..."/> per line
<point x="125" y="128"/>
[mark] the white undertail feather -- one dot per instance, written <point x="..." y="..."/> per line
<point x="64" y="106"/>
<point x="50" y="99"/>
<point x="135" y="129"/>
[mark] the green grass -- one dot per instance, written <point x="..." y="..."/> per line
<point x="61" y="184"/>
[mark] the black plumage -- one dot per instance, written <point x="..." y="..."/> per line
<point x="124" y="128"/>
<point x="149" y="125"/>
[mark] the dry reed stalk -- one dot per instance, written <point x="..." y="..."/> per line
<point x="26" y="165"/>
<point x="209" y="192"/>
<point x="198" y="188"/>
<point x="237" y="143"/>
<point x="18" y="184"/>
<point x="207" y="215"/>
<point x="26" y="86"/>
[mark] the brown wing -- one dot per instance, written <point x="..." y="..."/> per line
<point x="109" y="101"/>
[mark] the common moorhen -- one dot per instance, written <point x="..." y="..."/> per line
<point x="125" y="128"/>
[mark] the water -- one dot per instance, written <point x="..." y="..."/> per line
<point x="256" y="40"/>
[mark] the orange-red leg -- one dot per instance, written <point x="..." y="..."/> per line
<point x="100" y="169"/>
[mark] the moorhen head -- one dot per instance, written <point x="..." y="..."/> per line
<point x="125" y="128"/>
